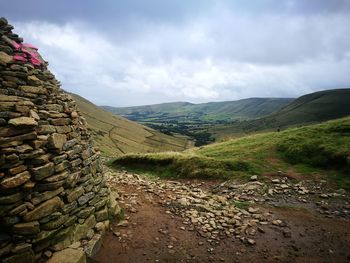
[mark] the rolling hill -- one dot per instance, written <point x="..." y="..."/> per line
<point x="194" y="120"/>
<point x="311" y="108"/>
<point x="116" y="135"/>
<point x="211" y="111"/>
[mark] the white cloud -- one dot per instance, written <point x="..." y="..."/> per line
<point x="217" y="56"/>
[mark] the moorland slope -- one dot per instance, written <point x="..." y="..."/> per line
<point x="117" y="135"/>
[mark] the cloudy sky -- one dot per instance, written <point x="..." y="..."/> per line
<point x="137" y="52"/>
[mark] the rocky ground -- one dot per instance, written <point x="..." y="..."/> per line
<point x="270" y="220"/>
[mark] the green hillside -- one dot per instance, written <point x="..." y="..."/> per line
<point x="116" y="135"/>
<point x="314" y="151"/>
<point x="311" y="108"/>
<point x="216" y="111"/>
<point x="194" y="120"/>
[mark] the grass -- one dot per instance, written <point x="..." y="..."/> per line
<point x="323" y="149"/>
<point x="178" y="165"/>
<point x="115" y="135"/>
<point x="242" y="204"/>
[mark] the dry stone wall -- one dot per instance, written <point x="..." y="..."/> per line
<point x="52" y="189"/>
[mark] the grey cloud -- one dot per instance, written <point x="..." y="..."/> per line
<point x="139" y="52"/>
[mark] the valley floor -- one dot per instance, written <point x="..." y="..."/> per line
<point x="275" y="220"/>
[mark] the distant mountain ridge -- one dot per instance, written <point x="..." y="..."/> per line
<point x="311" y="108"/>
<point x="211" y="111"/>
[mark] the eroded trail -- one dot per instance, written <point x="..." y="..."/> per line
<point x="193" y="221"/>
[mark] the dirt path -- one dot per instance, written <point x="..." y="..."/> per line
<point x="169" y="221"/>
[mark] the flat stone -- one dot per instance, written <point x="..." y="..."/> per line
<point x="54" y="107"/>
<point x="34" y="115"/>
<point x="93" y="245"/>
<point x="23" y="121"/>
<point x="251" y="241"/>
<point x="113" y="207"/>
<point x="31" y="155"/>
<point x="56" y="115"/>
<point x="18" y="210"/>
<point x="46" y="129"/>
<point x="70" y="221"/>
<point x="33" y="80"/>
<point x="84" y="213"/>
<point x="22" y="109"/>
<point x="9" y="199"/>
<point x="253" y="178"/>
<point x="253" y="210"/>
<point x="72" y="179"/>
<point x="15" y="181"/>
<point x="59" y="158"/>
<point x="49" y="186"/>
<point x="76" y="162"/>
<point x="24" y="148"/>
<point x="68" y="208"/>
<point x="5" y="58"/>
<point x="56" y="177"/>
<point x="57" y="140"/>
<point x="43" y="171"/>
<point x="100" y="203"/>
<point x="45" y="237"/>
<point x="68" y="255"/>
<point x="38" y="198"/>
<point x="15" y="74"/>
<point x="69" y="144"/>
<point x="101" y="215"/>
<point x="16" y="67"/>
<point x="7" y="106"/>
<point x="26" y="257"/>
<point x="50" y="217"/>
<point x="55" y="223"/>
<point x="14" y="130"/>
<point x="17" y="169"/>
<point x="37" y="144"/>
<point x="22" y="247"/>
<point x="32" y="89"/>
<point x="85" y="178"/>
<point x="63" y="239"/>
<point x="63" y="129"/>
<point x="28" y="185"/>
<point x="61" y="121"/>
<point x="44" y="209"/>
<point x="41" y="160"/>
<point x="82" y="229"/>
<point x="75" y="194"/>
<point x="8" y="141"/>
<point x="85" y="198"/>
<point x="29" y="228"/>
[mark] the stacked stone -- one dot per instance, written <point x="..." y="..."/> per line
<point x="52" y="190"/>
